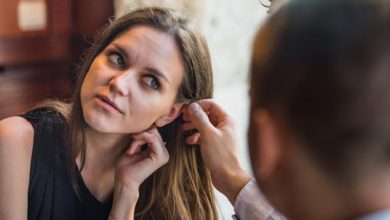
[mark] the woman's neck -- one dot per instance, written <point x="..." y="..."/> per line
<point x="103" y="150"/>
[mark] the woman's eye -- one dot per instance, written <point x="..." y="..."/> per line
<point x="151" y="82"/>
<point x="117" y="59"/>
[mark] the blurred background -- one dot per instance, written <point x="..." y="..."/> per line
<point x="42" y="41"/>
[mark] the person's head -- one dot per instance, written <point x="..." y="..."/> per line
<point x="139" y="72"/>
<point x="133" y="83"/>
<point x="147" y="63"/>
<point x="320" y="103"/>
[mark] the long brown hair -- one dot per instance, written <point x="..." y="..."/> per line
<point x="182" y="188"/>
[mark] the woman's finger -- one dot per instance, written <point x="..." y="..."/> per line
<point x="152" y="131"/>
<point x="155" y="144"/>
<point x="135" y="146"/>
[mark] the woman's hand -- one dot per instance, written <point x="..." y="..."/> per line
<point x="145" y="155"/>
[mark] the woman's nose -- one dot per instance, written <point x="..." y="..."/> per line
<point x="120" y="83"/>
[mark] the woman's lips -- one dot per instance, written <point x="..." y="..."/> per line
<point x="110" y="103"/>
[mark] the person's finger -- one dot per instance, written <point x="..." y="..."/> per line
<point x="135" y="146"/>
<point x="199" y="118"/>
<point x="187" y="126"/>
<point x="193" y="139"/>
<point x="214" y="111"/>
<point x="150" y="132"/>
<point x="156" y="146"/>
<point x="157" y="149"/>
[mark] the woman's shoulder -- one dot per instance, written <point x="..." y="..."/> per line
<point x="16" y="141"/>
<point x="16" y="137"/>
<point x="16" y="128"/>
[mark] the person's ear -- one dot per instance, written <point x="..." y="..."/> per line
<point x="171" y="116"/>
<point x="269" y="143"/>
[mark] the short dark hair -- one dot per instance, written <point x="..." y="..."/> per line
<point x="323" y="68"/>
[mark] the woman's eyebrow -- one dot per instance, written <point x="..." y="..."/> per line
<point x="158" y="73"/>
<point x="121" y="50"/>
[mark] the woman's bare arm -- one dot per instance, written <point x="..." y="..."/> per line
<point x="16" y="141"/>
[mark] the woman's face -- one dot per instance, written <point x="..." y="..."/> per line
<point x="133" y="82"/>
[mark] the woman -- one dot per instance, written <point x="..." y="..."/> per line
<point x="103" y="156"/>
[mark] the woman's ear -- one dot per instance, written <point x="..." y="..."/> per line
<point x="171" y="116"/>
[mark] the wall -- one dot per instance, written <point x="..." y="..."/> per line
<point x="229" y="27"/>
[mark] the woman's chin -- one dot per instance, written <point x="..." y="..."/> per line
<point x="100" y="123"/>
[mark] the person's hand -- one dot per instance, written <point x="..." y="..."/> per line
<point x="217" y="136"/>
<point x="146" y="154"/>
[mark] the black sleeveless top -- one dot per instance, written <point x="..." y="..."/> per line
<point x="50" y="194"/>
